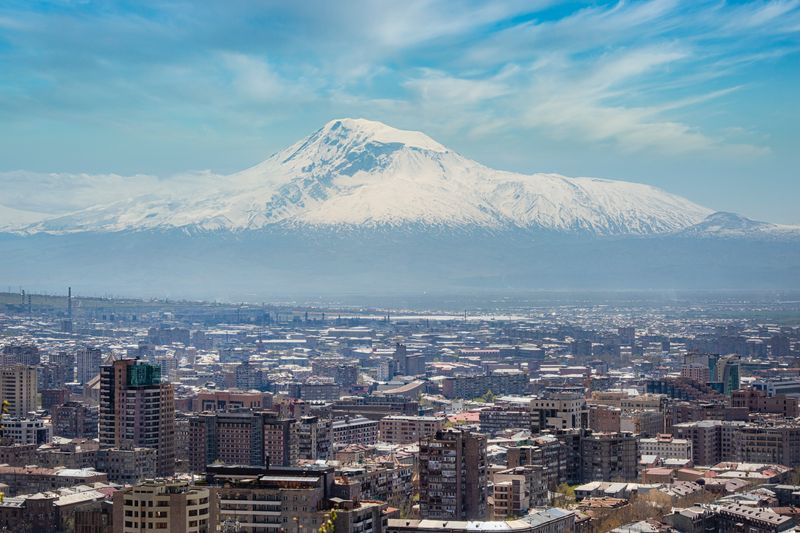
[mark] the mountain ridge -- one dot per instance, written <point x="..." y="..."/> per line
<point x="355" y="172"/>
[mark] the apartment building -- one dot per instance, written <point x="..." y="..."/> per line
<point x="453" y="475"/>
<point x="355" y="430"/>
<point x="609" y="457"/>
<point x="400" y="429"/>
<point x="137" y="409"/>
<point x="172" y="506"/>
<point x="18" y="386"/>
<point x="247" y="438"/>
<point x="666" y="446"/>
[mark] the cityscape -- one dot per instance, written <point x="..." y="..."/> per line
<point x="418" y="266"/>
<point x="648" y="414"/>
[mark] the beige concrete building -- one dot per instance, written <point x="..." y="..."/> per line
<point x="30" y="479"/>
<point x="623" y="400"/>
<point x="399" y="429"/>
<point x="169" y="506"/>
<point x="666" y="447"/>
<point x="645" y="422"/>
<point x="18" y="387"/>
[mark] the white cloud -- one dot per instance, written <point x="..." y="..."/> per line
<point x="436" y="86"/>
<point x="256" y="80"/>
<point x="61" y="192"/>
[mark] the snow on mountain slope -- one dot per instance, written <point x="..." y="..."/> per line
<point x="722" y="224"/>
<point x="11" y="217"/>
<point x="355" y="172"/>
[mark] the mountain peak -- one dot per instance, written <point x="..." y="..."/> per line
<point x="363" y="130"/>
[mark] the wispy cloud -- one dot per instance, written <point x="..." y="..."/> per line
<point x="617" y="73"/>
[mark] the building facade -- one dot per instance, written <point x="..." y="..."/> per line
<point x="453" y="475"/>
<point x="173" y="507"/>
<point x="137" y="409"/>
<point x="18" y="386"/>
<point x="399" y="429"/>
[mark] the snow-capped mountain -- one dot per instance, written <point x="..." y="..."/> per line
<point x="359" y="207"/>
<point x="365" y="174"/>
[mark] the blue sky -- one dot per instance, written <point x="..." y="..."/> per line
<point x="699" y="98"/>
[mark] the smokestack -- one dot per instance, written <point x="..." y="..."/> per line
<point x="69" y="302"/>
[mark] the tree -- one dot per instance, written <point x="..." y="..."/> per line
<point x="565" y="496"/>
<point x="655" y="504"/>
<point x="488" y="397"/>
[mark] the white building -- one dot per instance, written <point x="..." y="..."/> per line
<point x="666" y="447"/>
<point x="28" y="430"/>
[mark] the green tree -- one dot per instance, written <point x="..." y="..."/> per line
<point x="565" y="496"/>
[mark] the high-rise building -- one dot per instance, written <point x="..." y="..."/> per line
<point x="400" y="359"/>
<point x="559" y="410"/>
<point x="248" y="376"/>
<point x="314" y="438"/>
<point x="343" y="372"/>
<point x="18" y="387"/>
<point x="281" y="440"/>
<point x="88" y="363"/>
<point x="712" y="440"/>
<point x="242" y="438"/>
<point x="137" y="409"/>
<point x="75" y="420"/>
<point x="727" y="373"/>
<point x="547" y="453"/>
<point x="698" y="373"/>
<point x="453" y="475"/>
<point x="627" y="334"/>
<point x="58" y="370"/>
<point x="609" y="457"/>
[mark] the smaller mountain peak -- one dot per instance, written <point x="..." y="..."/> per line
<point x="372" y="130"/>
<point x="731" y="220"/>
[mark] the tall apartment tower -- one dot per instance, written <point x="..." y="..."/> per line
<point x="452" y="475"/>
<point x="18" y="387"/>
<point x="400" y="358"/>
<point x="609" y="457"/>
<point x="137" y="409"/>
<point x="88" y="363"/>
